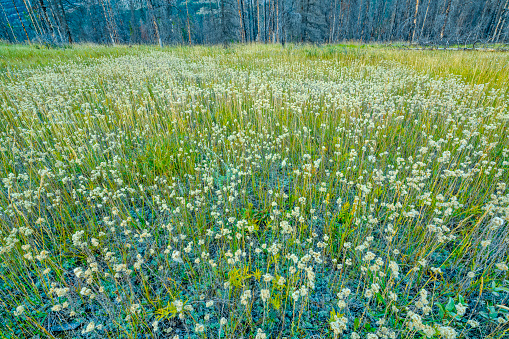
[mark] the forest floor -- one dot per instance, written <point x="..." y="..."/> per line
<point x="341" y="191"/>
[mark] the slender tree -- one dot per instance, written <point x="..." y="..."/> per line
<point x="46" y="20"/>
<point x="188" y="23"/>
<point x="414" y="25"/>
<point x="154" y="22"/>
<point x="21" y="20"/>
<point x="447" y="9"/>
<point x="8" y="23"/>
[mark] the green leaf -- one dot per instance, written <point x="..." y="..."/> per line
<point x="501" y="289"/>
<point x="493" y="312"/>
<point x="462" y="300"/>
<point x="356" y="323"/>
<point x="450" y="305"/>
<point x="441" y="311"/>
<point x="332" y="315"/>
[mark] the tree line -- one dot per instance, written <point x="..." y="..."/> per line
<point x="171" y="22"/>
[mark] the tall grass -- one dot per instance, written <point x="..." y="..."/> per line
<point x="254" y="192"/>
<point x="490" y="68"/>
<point x="30" y="56"/>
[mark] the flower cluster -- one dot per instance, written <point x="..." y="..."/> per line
<point x="247" y="193"/>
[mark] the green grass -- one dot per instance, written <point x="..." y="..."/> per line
<point x="29" y="56"/>
<point x="473" y="67"/>
<point x="334" y="191"/>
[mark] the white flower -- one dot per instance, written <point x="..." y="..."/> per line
<point x="90" y="327"/>
<point x="267" y="278"/>
<point x="179" y="305"/>
<point x="496" y="223"/>
<point x="393" y="296"/>
<point x="473" y="323"/>
<point x="19" y="310"/>
<point x="369" y="256"/>
<point x="176" y="256"/>
<point x="223" y="321"/>
<point x="461" y="309"/>
<point x="338" y="325"/>
<point x="245" y="296"/>
<point x="260" y="334"/>
<point x="264" y="294"/>
<point x="429" y="331"/>
<point x="502" y="266"/>
<point x="56" y="308"/>
<point x="135" y="308"/>
<point x="485" y="243"/>
<point x="296" y="295"/>
<point x="303" y="291"/>
<point x="447" y="332"/>
<point x="345" y="292"/>
<point x="199" y="328"/>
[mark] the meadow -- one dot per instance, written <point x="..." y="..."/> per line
<point x="255" y="191"/>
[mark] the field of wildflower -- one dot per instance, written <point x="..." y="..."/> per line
<point x="254" y="192"/>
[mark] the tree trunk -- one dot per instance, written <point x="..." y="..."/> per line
<point x="107" y="21"/>
<point x="305" y="13"/>
<point x="265" y="22"/>
<point x="500" y="16"/>
<point x="21" y="21"/>
<point x="33" y="18"/>
<point x="258" y="19"/>
<point x="277" y="37"/>
<point x="244" y="21"/>
<point x="415" y="21"/>
<point x="359" y="21"/>
<point x="56" y="20"/>
<point x="188" y="25"/>
<point x="270" y="23"/>
<point x="63" y="20"/>
<point x="9" y="24"/>
<point x="342" y="13"/>
<point x="247" y="17"/>
<point x="112" y="21"/>
<point x="224" y="29"/>
<point x="154" y="22"/>
<point x="65" y="26"/>
<point x="445" y="19"/>
<point x="333" y="28"/>
<point x="393" y="21"/>
<point x="133" y="33"/>
<point x="242" y="37"/>
<point x="424" y="21"/>
<point x="46" y="19"/>
<point x="283" y="23"/>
